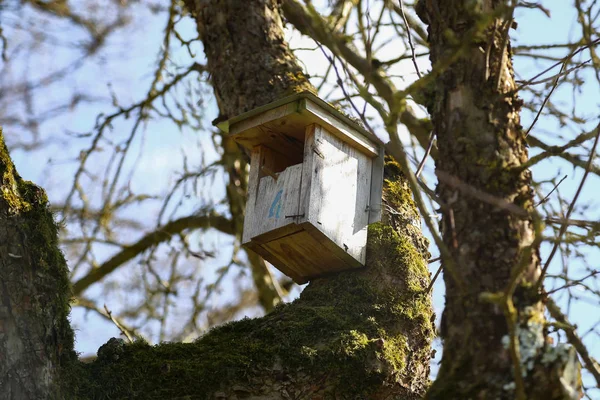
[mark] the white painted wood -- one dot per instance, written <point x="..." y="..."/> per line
<point x="275" y="204"/>
<point x="338" y="128"/>
<point x="336" y="186"/>
<point x="253" y="178"/>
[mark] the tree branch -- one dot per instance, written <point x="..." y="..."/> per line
<point x="161" y="235"/>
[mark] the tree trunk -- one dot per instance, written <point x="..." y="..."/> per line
<point x="36" y="339"/>
<point x="359" y="334"/>
<point x="250" y="65"/>
<point x="495" y="342"/>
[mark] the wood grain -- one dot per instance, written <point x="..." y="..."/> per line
<point x="310" y="219"/>
<point x="336" y="190"/>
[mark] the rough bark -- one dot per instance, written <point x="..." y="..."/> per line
<point x="361" y="334"/>
<point x="250" y="65"/>
<point x="358" y="334"/>
<point x="247" y="56"/>
<point x="481" y="145"/>
<point x="36" y="340"/>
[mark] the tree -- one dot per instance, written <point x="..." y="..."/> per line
<point x="360" y="334"/>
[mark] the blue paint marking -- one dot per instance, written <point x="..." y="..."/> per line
<point x="275" y="209"/>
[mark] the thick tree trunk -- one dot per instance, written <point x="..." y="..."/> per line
<point x="492" y="349"/>
<point x="250" y="65"/>
<point x="36" y="339"/>
<point x="248" y="59"/>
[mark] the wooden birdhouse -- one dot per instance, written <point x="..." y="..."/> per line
<point x="315" y="184"/>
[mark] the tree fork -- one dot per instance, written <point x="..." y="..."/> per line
<point x="364" y="334"/>
<point x="360" y="334"/>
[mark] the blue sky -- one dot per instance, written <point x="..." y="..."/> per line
<point x="160" y="151"/>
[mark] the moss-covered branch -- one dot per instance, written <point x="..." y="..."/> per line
<point x="36" y="340"/>
<point x="358" y="334"/>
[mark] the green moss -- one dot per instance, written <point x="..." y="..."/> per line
<point x="352" y="326"/>
<point x="9" y="181"/>
<point x="359" y="330"/>
<point x="28" y="207"/>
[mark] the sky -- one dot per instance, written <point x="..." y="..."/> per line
<point x="128" y="64"/>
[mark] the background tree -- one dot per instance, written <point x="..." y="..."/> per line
<point x="355" y="39"/>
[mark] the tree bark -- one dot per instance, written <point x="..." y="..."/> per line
<point x="357" y="334"/>
<point x="250" y="65"/>
<point x="494" y="348"/>
<point x="360" y="334"/>
<point x="36" y="340"/>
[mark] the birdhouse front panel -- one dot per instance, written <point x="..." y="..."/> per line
<point x="273" y="197"/>
<point x="314" y="186"/>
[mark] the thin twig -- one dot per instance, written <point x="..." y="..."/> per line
<point x="434" y="279"/>
<point x="4" y="44"/>
<point x="429" y="147"/>
<point x="410" y="42"/>
<point x="554" y="85"/>
<point x="564" y="226"/>
<point x="118" y="325"/>
<point x="560" y="74"/>
<point x="545" y="199"/>
<point x="562" y="61"/>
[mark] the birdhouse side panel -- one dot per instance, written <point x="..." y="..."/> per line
<point x="336" y="188"/>
<point x="275" y="203"/>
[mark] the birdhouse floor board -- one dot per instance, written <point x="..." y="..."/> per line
<point x="278" y="263"/>
<point x="277" y="233"/>
<point x="302" y="252"/>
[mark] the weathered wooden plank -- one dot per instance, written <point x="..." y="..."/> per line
<point x="304" y="254"/>
<point x="277" y="233"/>
<point x="342" y="130"/>
<point x="261" y="118"/>
<point x="271" y="136"/>
<point x="306" y="179"/>
<point x="276" y="261"/>
<point x="308" y="255"/>
<point x="299" y="252"/>
<point x="347" y="260"/>
<point x="253" y="179"/>
<point x="276" y="202"/>
<point x="335" y="191"/>
<point x="281" y="125"/>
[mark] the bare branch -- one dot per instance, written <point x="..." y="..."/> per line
<point x="161" y="235"/>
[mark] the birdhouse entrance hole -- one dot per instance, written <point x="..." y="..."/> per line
<point x="314" y="186"/>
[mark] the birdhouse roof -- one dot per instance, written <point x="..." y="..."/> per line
<point x="281" y="124"/>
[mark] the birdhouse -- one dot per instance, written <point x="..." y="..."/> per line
<point x="315" y="184"/>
